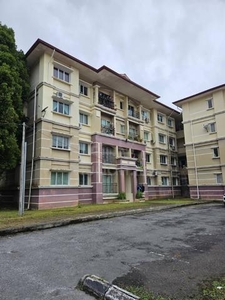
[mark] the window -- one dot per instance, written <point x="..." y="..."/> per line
<point x="219" y="178"/>
<point x="146" y="136"/>
<point x="83" y="118"/>
<point x="170" y="122"/>
<point x="173" y="161"/>
<point x="123" y="152"/>
<point x="122" y="128"/>
<point x="148" y="180"/>
<point x="60" y="142"/>
<point x="60" y="107"/>
<point x="105" y="123"/>
<point x="83" y="179"/>
<point x="59" y="178"/>
<point x="164" y="180"/>
<point x="215" y="152"/>
<point x="162" y="138"/>
<point x="171" y="141"/>
<point x="163" y="159"/>
<point x="145" y="116"/>
<point x="132" y="132"/>
<point x="62" y="75"/>
<point x="83" y="148"/>
<point x="210" y="103"/>
<point x="212" y="127"/>
<point x="160" y="118"/>
<point x="131" y="111"/>
<point x="83" y="90"/>
<point x="148" y="157"/>
<point x="121" y="104"/>
<point x="175" y="181"/>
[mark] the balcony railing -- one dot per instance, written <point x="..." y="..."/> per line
<point x="135" y="137"/>
<point x="105" y="100"/>
<point x="139" y="164"/>
<point x="108" y="158"/>
<point x="108" y="129"/>
<point x="109" y="188"/>
<point x="134" y="114"/>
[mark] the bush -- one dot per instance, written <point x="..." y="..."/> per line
<point x="122" y="196"/>
<point x="139" y="195"/>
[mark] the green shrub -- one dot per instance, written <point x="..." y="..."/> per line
<point x="122" y="196"/>
<point x="139" y="195"/>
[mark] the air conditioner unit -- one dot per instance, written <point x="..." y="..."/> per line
<point x="147" y="120"/>
<point x="206" y="127"/>
<point x="59" y="94"/>
<point x="154" y="173"/>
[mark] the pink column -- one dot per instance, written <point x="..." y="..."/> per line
<point x="121" y="181"/>
<point x="96" y="158"/>
<point x="134" y="187"/>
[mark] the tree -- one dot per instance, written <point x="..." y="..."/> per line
<point x="14" y="90"/>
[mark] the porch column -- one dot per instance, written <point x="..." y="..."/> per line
<point x="96" y="158"/>
<point x="121" y="181"/>
<point x="96" y="88"/>
<point x="134" y="184"/>
<point x="144" y="175"/>
<point x="139" y="111"/>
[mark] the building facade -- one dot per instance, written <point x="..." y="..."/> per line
<point x="93" y="135"/>
<point x="203" y="121"/>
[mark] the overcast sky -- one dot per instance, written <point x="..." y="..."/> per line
<point x="174" y="48"/>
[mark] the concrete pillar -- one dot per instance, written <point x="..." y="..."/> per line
<point x="134" y="184"/>
<point x="96" y="88"/>
<point x="139" y="110"/>
<point x="96" y="159"/>
<point x="121" y="181"/>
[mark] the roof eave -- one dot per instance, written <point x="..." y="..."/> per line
<point x="196" y="96"/>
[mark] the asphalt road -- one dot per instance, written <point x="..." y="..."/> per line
<point x="169" y="252"/>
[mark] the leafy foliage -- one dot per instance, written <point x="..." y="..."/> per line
<point x="122" y="196"/>
<point x="213" y="290"/>
<point x="138" y="195"/>
<point x="14" y="89"/>
<point x="143" y="293"/>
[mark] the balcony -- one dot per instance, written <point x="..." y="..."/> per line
<point x="135" y="137"/>
<point x="139" y="163"/>
<point x="108" y="158"/>
<point x="109" y="188"/>
<point x="123" y="152"/>
<point x="109" y="129"/>
<point x="105" y="100"/>
<point x="134" y="114"/>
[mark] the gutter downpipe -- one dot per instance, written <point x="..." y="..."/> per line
<point x="33" y="147"/>
<point x="169" y="153"/>
<point x="195" y="162"/>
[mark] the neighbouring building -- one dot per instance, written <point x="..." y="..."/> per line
<point x="203" y="121"/>
<point x="94" y="134"/>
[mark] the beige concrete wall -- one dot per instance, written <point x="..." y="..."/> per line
<point x="48" y="159"/>
<point x="202" y="165"/>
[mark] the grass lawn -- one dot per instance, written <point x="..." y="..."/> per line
<point x="213" y="289"/>
<point x="10" y="218"/>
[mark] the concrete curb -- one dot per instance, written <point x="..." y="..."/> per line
<point x="102" y="289"/>
<point x="90" y="218"/>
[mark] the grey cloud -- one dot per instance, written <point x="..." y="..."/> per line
<point x="174" y="48"/>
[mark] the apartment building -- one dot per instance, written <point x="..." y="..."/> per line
<point x="93" y="134"/>
<point x="203" y="121"/>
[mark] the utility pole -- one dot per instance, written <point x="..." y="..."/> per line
<point x="22" y="173"/>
